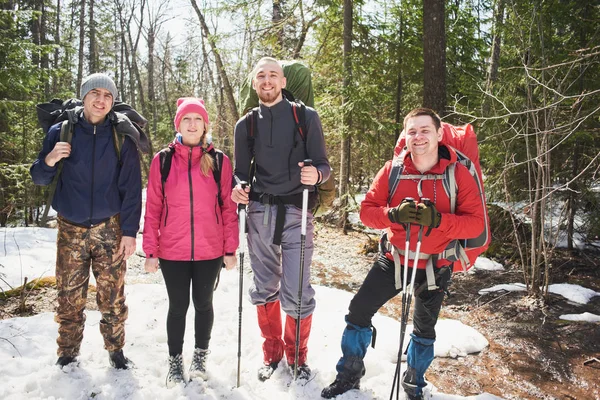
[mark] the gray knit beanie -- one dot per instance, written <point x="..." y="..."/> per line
<point x="99" y="81"/>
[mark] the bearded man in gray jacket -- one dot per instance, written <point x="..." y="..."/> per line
<point x="274" y="200"/>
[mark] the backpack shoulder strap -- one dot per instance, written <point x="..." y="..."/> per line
<point x="299" y="113"/>
<point x="251" y="128"/>
<point x="118" y="140"/>
<point x="165" y="158"/>
<point x="66" y="131"/>
<point x="217" y="155"/>
<point x="66" y="135"/>
<point x="395" y="175"/>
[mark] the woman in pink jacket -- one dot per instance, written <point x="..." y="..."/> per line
<point x="190" y="231"/>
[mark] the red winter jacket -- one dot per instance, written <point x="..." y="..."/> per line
<point x="467" y="222"/>
<point x="189" y="224"/>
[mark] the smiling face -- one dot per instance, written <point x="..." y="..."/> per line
<point x="268" y="81"/>
<point x="96" y="105"/>
<point x="192" y="129"/>
<point x="422" y="137"/>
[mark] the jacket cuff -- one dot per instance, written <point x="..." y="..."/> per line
<point x="130" y="233"/>
<point x="46" y="167"/>
<point x="229" y="254"/>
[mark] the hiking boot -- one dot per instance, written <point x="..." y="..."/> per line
<point x="266" y="371"/>
<point x="175" y="374"/>
<point x="118" y="360"/>
<point x="412" y="396"/>
<point x="63" y="361"/>
<point x="303" y="371"/>
<point x="409" y="385"/>
<point x="198" y="366"/>
<point x="338" y="387"/>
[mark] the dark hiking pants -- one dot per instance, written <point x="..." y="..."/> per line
<point x="178" y="275"/>
<point x="78" y="248"/>
<point x="377" y="289"/>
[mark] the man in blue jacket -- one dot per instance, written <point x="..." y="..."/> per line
<point x="98" y="199"/>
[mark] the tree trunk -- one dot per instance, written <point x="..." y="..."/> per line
<point x="45" y="60"/>
<point x="398" y="107"/>
<point x="302" y="38"/>
<point x="496" y="42"/>
<point x="434" y="56"/>
<point x="277" y="20"/>
<point x="81" y="46"/>
<point x="220" y="66"/>
<point x="93" y="56"/>
<point x="346" y="114"/>
<point x="55" y="81"/>
<point x="495" y="54"/>
<point x="151" y="90"/>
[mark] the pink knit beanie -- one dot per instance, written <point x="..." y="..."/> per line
<point x="187" y="105"/>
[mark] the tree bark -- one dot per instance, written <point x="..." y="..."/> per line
<point x="434" y="56"/>
<point x="277" y="21"/>
<point x="398" y="107"/>
<point x="81" y="47"/>
<point x="496" y="42"/>
<point x="93" y="56"/>
<point x="346" y="114"/>
<point x="55" y="81"/>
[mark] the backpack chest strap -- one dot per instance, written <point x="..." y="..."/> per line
<point x="420" y="178"/>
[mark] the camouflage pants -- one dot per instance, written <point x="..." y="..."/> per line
<point x="77" y="248"/>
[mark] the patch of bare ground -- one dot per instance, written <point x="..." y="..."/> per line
<point x="532" y="353"/>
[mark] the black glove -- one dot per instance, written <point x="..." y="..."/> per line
<point x="404" y="213"/>
<point x="428" y="215"/>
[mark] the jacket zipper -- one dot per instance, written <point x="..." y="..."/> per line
<point x="191" y="199"/>
<point x="92" y="180"/>
<point x="216" y="210"/>
<point x="166" y="210"/>
<point x="271" y="112"/>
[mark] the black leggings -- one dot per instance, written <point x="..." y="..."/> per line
<point x="178" y="275"/>
<point x="379" y="287"/>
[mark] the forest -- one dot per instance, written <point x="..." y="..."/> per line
<point x="525" y="74"/>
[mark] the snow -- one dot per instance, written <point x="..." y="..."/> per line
<point x="511" y="287"/>
<point x="487" y="264"/>
<point x="28" y="345"/>
<point x="575" y="293"/>
<point x="586" y="317"/>
<point x="26" y="252"/>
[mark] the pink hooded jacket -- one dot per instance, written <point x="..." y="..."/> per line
<point x="188" y="224"/>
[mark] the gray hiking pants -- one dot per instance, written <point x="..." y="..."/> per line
<point x="277" y="268"/>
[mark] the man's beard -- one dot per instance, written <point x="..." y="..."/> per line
<point x="268" y="97"/>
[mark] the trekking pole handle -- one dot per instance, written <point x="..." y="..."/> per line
<point x="308" y="162"/>
<point x="244" y="185"/>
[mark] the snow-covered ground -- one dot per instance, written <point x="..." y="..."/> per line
<point x="28" y="347"/>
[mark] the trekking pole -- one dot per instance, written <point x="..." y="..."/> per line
<point x="307" y="163"/>
<point x="405" y="309"/>
<point x="242" y="227"/>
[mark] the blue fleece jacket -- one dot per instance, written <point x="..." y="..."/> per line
<point x="93" y="186"/>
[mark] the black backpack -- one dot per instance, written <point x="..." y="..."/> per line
<point x="326" y="191"/>
<point x="125" y="120"/>
<point x="166" y="157"/>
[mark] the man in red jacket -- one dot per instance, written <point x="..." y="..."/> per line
<point x="424" y="163"/>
